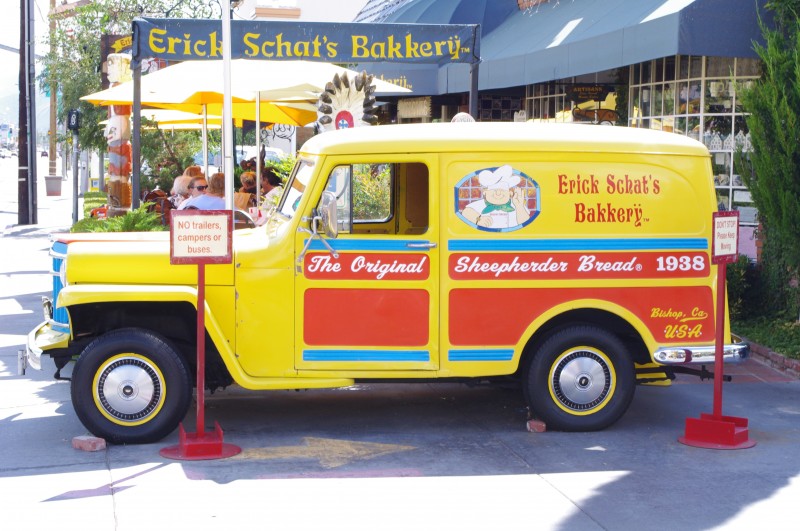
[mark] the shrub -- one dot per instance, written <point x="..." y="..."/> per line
<point x="138" y="220"/>
<point x="93" y="200"/>
<point x="283" y="167"/>
<point x="738" y="278"/>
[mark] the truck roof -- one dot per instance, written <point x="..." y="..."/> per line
<point x="501" y="136"/>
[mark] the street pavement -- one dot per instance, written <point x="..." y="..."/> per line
<point x="380" y="457"/>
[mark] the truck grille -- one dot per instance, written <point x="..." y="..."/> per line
<point x="60" y="321"/>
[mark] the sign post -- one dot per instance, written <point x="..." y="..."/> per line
<point x="201" y="237"/>
<point x="715" y="430"/>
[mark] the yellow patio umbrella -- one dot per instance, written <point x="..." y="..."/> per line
<point x="289" y="88"/>
<point x="290" y="113"/>
<point x="287" y="111"/>
<point x="190" y="85"/>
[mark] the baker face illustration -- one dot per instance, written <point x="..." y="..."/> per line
<point x="504" y="204"/>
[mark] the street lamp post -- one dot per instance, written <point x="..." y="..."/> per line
<point x="51" y="148"/>
<point x="26" y="189"/>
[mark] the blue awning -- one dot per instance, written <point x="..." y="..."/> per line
<point x="569" y="38"/>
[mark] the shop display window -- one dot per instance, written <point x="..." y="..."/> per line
<point x="696" y="96"/>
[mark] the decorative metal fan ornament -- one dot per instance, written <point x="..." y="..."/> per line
<point x="344" y="104"/>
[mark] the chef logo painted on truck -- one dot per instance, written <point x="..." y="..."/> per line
<point x="615" y="186"/>
<point x="497" y="199"/>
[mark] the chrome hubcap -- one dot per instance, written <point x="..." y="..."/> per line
<point x="129" y="388"/>
<point x="581" y="380"/>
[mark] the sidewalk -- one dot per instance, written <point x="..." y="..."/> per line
<point x="54" y="213"/>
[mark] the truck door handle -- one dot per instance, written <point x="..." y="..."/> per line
<point x="421" y="245"/>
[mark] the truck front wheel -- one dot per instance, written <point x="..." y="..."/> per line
<point x="130" y="386"/>
<point x="581" y="379"/>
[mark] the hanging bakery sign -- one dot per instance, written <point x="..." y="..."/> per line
<point x="193" y="39"/>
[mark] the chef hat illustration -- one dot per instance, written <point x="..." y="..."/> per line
<point x="502" y="177"/>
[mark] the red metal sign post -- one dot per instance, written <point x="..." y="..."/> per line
<point x="201" y="237"/>
<point x="715" y="430"/>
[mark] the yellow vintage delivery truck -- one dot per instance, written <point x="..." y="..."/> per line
<point x="572" y="259"/>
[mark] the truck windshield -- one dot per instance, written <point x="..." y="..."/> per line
<point x="297" y="185"/>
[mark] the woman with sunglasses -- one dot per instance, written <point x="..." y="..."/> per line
<point x="197" y="188"/>
<point x="205" y="196"/>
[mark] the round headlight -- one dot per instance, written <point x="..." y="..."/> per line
<point x="62" y="272"/>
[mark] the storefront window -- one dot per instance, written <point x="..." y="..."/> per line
<point x="695" y="66"/>
<point x="696" y="97"/>
<point x="719" y="67"/>
<point x="748" y="67"/>
<point x="546" y="101"/>
<point x="647" y="69"/>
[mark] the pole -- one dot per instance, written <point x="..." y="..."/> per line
<point x="51" y="148"/>
<point x="30" y="94"/>
<point x="201" y="349"/>
<point x="258" y="149"/>
<point x="473" y="74"/>
<point x="227" y="107"/>
<point x="205" y="141"/>
<point x="720" y="326"/>
<point x="74" y="177"/>
<point x="26" y="180"/>
<point x="23" y="217"/>
<point x="473" y="90"/>
<point x="136" y="140"/>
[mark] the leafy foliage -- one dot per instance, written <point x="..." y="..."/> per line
<point x="138" y="220"/>
<point x="73" y="66"/>
<point x="738" y="284"/>
<point x="284" y="166"/>
<point x="780" y="335"/>
<point x="166" y="155"/>
<point x="773" y="167"/>
<point x="92" y="200"/>
<point x="372" y="191"/>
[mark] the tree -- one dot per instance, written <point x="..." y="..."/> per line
<point x="74" y="63"/>
<point x="774" y="124"/>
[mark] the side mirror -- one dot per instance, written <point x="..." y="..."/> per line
<point x="327" y="214"/>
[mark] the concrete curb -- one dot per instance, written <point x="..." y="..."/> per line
<point x="776" y="360"/>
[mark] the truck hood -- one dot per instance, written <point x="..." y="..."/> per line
<point x="133" y="258"/>
<point x="71" y="237"/>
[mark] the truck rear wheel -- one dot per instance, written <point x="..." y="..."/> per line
<point x="131" y="386"/>
<point x="581" y="379"/>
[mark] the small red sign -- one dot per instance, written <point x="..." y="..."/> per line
<point x="725" y="242"/>
<point x="201" y="237"/>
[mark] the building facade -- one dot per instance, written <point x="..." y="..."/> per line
<point x="673" y="65"/>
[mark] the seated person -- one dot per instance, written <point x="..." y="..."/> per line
<point x="214" y="196"/>
<point x="180" y="190"/>
<point x="248" y="179"/>
<point x="197" y="187"/>
<point x="271" y="187"/>
<point x="194" y="171"/>
<point x="206" y="196"/>
<point x="246" y="196"/>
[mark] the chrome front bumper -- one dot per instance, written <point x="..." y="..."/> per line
<point x="40" y="339"/>
<point x="677" y="355"/>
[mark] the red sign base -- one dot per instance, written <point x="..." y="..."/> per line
<point x="200" y="446"/>
<point x="717" y="432"/>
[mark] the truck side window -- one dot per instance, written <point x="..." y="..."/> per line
<point x="372" y="192"/>
<point x="382" y="198"/>
<point x="339" y="184"/>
